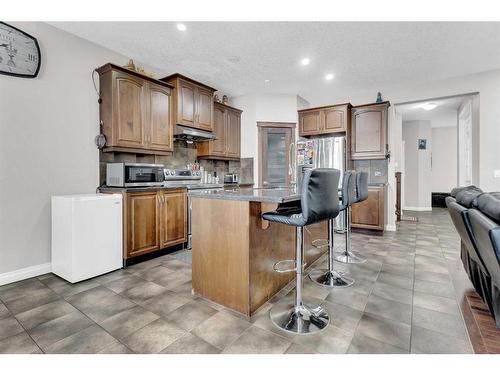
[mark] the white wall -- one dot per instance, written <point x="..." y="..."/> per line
<point x="444" y="158"/>
<point x="265" y="108"/>
<point x="417" y="174"/>
<point x="47" y="129"/>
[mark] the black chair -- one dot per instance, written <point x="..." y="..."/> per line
<point x="459" y="204"/>
<point x="319" y="201"/>
<point x="485" y="225"/>
<point x="352" y="194"/>
<point x="330" y="277"/>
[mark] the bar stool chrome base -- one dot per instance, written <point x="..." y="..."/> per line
<point x="306" y="318"/>
<point x="332" y="279"/>
<point x="349" y="257"/>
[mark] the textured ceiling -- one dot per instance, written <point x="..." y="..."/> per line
<point x="446" y="108"/>
<point x="236" y="57"/>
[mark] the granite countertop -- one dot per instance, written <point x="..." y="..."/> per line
<point x="113" y="189"/>
<point x="276" y="195"/>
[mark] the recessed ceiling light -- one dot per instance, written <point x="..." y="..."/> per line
<point x="329" y="77"/>
<point x="267" y="80"/>
<point x="427" y="106"/>
<point x="305" y="61"/>
<point x="181" y="27"/>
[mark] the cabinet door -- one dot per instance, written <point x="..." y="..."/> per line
<point x="204" y="109"/>
<point x="369" y="132"/>
<point x="129" y="111"/>
<point x="173" y="222"/>
<point x="159" y="118"/>
<point x="142" y="223"/>
<point x="310" y="123"/>
<point x="218" y="146"/>
<point x="233" y="137"/>
<point x="335" y="119"/>
<point x="369" y="214"/>
<point x="186" y="103"/>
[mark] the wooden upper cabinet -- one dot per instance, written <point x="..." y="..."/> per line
<point x="129" y="111"/>
<point x="233" y="134"/>
<point x="310" y="123"/>
<point x="159" y="118"/>
<point x="173" y="217"/>
<point x="142" y="220"/>
<point x="369" y="131"/>
<point x="227" y="129"/>
<point x="204" y="108"/>
<point x="218" y="146"/>
<point x="135" y="111"/>
<point x="324" y="120"/>
<point x="186" y="104"/>
<point x="335" y="119"/>
<point x="193" y="102"/>
<point x="370" y="213"/>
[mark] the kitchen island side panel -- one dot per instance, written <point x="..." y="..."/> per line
<point x="220" y="252"/>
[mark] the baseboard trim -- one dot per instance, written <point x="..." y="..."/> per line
<point x="24" y="273"/>
<point x="390" y="227"/>
<point x="417" y="208"/>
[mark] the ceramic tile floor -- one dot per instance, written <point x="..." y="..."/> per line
<point x="404" y="300"/>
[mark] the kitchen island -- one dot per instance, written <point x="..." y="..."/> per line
<point x="234" y="250"/>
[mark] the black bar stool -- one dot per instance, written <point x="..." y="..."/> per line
<point x="330" y="277"/>
<point x="317" y="203"/>
<point x="353" y="194"/>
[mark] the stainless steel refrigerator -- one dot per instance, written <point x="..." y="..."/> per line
<point x="325" y="152"/>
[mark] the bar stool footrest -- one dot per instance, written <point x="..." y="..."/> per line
<point x="291" y="263"/>
<point x="319" y="243"/>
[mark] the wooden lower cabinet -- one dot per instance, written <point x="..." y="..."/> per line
<point x="370" y="213"/>
<point x="154" y="220"/>
<point x="173" y="218"/>
<point x="141" y="223"/>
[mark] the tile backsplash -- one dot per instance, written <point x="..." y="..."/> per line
<point x="183" y="154"/>
<point x="376" y="169"/>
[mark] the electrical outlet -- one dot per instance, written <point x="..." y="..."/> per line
<point x="496" y="173"/>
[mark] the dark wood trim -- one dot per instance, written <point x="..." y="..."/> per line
<point x="398" y="196"/>
<point x="136" y="150"/>
<point x="261" y="126"/>
<point x="349" y="105"/>
<point x="212" y="157"/>
<point x="266" y="124"/>
<point x="109" y="66"/>
<point x="183" y="77"/>
<point x="369" y="104"/>
<point x="228" y="106"/>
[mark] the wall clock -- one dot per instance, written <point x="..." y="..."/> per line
<point x="19" y="52"/>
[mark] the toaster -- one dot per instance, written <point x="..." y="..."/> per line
<point x="231" y="178"/>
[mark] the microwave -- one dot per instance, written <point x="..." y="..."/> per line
<point x="134" y="174"/>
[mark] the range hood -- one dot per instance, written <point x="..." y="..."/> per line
<point x="192" y="135"/>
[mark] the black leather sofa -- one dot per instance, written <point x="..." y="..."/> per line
<point x="476" y="216"/>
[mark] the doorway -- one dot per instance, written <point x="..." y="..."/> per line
<point x="275" y="147"/>
<point x="437" y="149"/>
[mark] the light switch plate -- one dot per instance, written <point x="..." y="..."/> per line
<point x="497" y="173"/>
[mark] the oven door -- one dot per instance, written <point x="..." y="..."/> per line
<point x="143" y="175"/>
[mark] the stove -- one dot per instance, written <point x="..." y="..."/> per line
<point x="191" y="180"/>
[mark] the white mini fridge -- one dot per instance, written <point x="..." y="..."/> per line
<point x="86" y="235"/>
